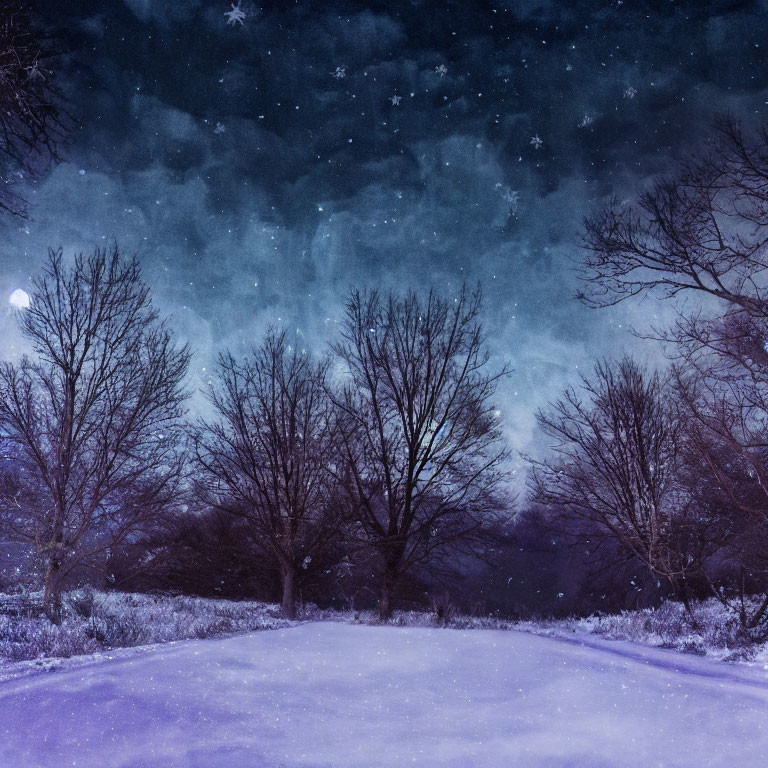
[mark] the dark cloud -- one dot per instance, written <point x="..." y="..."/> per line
<point x="257" y="187"/>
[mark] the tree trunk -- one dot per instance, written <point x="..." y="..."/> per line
<point x="388" y="589"/>
<point x="288" y="605"/>
<point x="52" y="594"/>
<point x="680" y="587"/>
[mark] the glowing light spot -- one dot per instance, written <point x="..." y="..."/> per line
<point x="19" y="299"/>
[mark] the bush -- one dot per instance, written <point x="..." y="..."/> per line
<point x="116" y="631"/>
<point x="95" y="621"/>
<point x="711" y="630"/>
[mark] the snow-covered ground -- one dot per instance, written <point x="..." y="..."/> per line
<point x="98" y="622"/>
<point x="331" y="694"/>
<point x="712" y="631"/>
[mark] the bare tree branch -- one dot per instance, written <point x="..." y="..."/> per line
<point x="33" y="125"/>
<point x="703" y="230"/>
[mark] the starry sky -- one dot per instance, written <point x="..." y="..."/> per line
<point x="260" y="169"/>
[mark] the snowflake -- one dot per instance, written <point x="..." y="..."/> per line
<point x="395" y="100"/>
<point x="568" y="68"/>
<point x="536" y="141"/>
<point x="512" y="197"/>
<point x="441" y="70"/>
<point x="339" y="73"/>
<point x="630" y="92"/>
<point x="586" y="121"/>
<point x="236" y="15"/>
<point x="220" y="128"/>
<point x="34" y="72"/>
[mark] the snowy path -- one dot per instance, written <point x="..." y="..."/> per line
<point x="342" y="695"/>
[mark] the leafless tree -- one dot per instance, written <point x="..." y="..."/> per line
<point x="616" y="458"/>
<point x="266" y="453"/>
<point x="93" y="416"/>
<point x="33" y="126"/>
<point x="421" y="443"/>
<point x="704" y="231"/>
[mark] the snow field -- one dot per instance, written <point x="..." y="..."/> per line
<point x="341" y="695"/>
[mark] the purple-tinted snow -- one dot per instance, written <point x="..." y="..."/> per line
<point x="326" y="694"/>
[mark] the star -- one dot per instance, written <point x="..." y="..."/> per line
<point x="395" y="100"/>
<point x="236" y="15"/>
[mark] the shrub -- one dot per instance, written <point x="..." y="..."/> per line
<point x="96" y="621"/>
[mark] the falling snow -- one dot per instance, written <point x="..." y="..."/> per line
<point x="510" y="196"/>
<point x="236" y="15"/>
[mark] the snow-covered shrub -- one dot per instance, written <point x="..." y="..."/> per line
<point x="29" y="638"/>
<point x="711" y="630"/>
<point x="116" y="631"/>
<point x="95" y="621"/>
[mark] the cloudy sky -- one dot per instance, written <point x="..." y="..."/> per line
<point x="260" y="169"/>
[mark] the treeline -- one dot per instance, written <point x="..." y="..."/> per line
<point x="380" y="460"/>
<point x="375" y="470"/>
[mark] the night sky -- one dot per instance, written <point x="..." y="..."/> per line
<point x="260" y="169"/>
